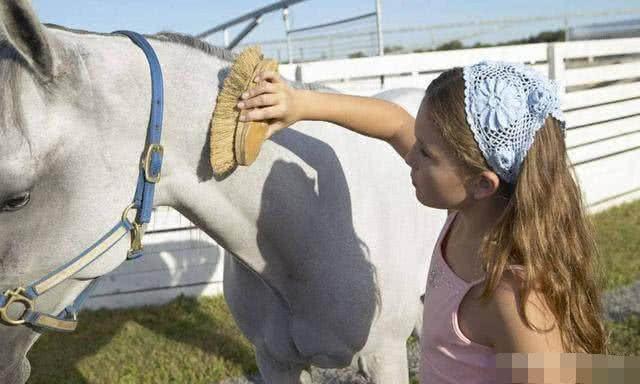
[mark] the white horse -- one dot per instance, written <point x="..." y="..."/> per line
<point x="330" y="245"/>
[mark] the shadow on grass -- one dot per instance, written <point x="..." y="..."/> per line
<point x="188" y="340"/>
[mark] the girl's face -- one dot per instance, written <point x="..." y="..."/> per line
<point x="435" y="173"/>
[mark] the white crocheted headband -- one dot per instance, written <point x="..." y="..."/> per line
<point x="506" y="104"/>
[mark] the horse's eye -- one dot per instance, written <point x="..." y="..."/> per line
<point x="16" y="203"/>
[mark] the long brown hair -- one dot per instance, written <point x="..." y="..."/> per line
<point x="544" y="226"/>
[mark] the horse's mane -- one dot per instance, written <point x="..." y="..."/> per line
<point x="190" y="41"/>
<point x="173" y="37"/>
<point x="193" y="42"/>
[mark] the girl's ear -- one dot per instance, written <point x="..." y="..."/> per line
<point x="20" y="27"/>
<point x="487" y="183"/>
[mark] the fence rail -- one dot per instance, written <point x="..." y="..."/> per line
<point x="601" y="84"/>
<point x="336" y="43"/>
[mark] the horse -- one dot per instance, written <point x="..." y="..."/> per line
<point x="328" y="245"/>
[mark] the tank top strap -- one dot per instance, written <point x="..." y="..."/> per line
<point x="474" y="282"/>
<point x="516" y="267"/>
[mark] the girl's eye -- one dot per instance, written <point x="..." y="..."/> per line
<point x="16" y="203"/>
<point x="423" y="152"/>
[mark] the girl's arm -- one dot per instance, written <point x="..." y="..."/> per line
<point x="273" y="100"/>
<point x="505" y="323"/>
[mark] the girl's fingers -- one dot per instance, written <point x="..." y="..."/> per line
<point x="273" y="128"/>
<point x="270" y="76"/>
<point x="261" y="114"/>
<point x="263" y="100"/>
<point x="263" y="87"/>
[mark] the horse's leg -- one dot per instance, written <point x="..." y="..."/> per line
<point x="264" y="320"/>
<point x="417" y="330"/>
<point x="386" y="365"/>
<point x="276" y="372"/>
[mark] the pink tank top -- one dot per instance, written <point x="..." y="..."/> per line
<point x="448" y="356"/>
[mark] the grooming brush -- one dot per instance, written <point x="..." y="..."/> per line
<point x="234" y="142"/>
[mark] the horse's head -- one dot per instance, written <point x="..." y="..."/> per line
<point x="45" y="122"/>
<point x="64" y="181"/>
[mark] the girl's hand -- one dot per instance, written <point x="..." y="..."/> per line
<point x="271" y="100"/>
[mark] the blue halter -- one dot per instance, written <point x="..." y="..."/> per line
<point x="150" y="166"/>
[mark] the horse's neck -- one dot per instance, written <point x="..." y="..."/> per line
<point x="119" y="93"/>
<point x="191" y="80"/>
<point x="230" y="210"/>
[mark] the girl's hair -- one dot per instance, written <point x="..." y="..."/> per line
<point x="543" y="227"/>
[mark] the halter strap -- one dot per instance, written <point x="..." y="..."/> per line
<point x="150" y="167"/>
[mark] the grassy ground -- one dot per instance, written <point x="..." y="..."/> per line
<point x="196" y="340"/>
<point x="186" y="341"/>
<point x="618" y="236"/>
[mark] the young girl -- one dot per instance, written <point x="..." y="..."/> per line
<point x="516" y="219"/>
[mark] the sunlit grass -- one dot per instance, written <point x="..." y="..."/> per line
<point x="186" y="341"/>
<point x="618" y="237"/>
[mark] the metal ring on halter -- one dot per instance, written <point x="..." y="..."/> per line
<point x="136" y="231"/>
<point x="15" y="296"/>
<point x="126" y="213"/>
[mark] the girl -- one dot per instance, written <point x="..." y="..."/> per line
<point x="516" y="220"/>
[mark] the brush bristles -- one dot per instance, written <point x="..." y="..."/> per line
<point x="226" y="114"/>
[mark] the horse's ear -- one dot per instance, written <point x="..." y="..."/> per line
<point x="20" y="26"/>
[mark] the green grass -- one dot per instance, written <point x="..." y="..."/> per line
<point x="186" y="341"/>
<point x="625" y="337"/>
<point x="618" y="237"/>
<point x="196" y="340"/>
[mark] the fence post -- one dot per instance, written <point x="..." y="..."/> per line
<point x="380" y="36"/>
<point x="299" y="75"/>
<point x="287" y="27"/>
<point x="555" y="58"/>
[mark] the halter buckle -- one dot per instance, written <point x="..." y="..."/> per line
<point x="136" y="239"/>
<point x="15" y="296"/>
<point x="137" y="231"/>
<point x="146" y="162"/>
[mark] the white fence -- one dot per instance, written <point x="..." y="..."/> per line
<point x="602" y="104"/>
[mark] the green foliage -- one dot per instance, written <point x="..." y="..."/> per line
<point x="357" y="55"/>
<point x="481" y="45"/>
<point x="454" y="44"/>
<point x="542" y="37"/>
<point x="393" y="48"/>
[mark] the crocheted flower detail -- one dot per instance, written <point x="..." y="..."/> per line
<point x="504" y="158"/>
<point x="484" y="65"/>
<point x="541" y="102"/>
<point x="497" y="103"/>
